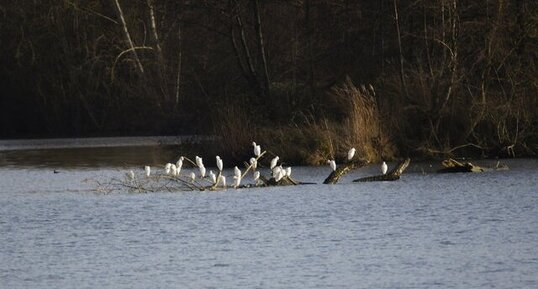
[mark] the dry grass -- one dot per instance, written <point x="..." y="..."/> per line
<point x="356" y="123"/>
<point x="362" y="126"/>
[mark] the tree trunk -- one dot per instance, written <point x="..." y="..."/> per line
<point x="343" y="170"/>
<point x="128" y="36"/>
<point x="261" y="46"/>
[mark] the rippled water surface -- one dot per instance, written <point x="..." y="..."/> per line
<point x="425" y="231"/>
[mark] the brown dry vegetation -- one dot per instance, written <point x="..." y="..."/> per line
<point x="450" y="77"/>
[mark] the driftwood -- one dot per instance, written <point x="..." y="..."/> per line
<point x="344" y="169"/>
<point x="391" y="176"/>
<point x="453" y="166"/>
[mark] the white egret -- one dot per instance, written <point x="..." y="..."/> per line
<point x="131" y="175"/>
<point x="332" y="163"/>
<point x="202" y="172"/>
<point x="193" y="176"/>
<point x="257" y="149"/>
<point x="280" y="173"/>
<point x="253" y="163"/>
<point x="173" y="170"/>
<point x="223" y="181"/>
<point x="350" y="154"/>
<point x="237" y="181"/>
<point x="288" y="172"/>
<point x="213" y="177"/>
<point x="276" y="171"/>
<point x="179" y="165"/>
<point x="167" y="168"/>
<point x="237" y="172"/>
<point x="147" y="169"/>
<point x="274" y="162"/>
<point x="199" y="162"/>
<point x="256" y="176"/>
<point x="384" y="168"/>
<point x="219" y="163"/>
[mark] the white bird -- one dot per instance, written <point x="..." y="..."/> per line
<point x="148" y="170"/>
<point x="199" y="162"/>
<point x="173" y="170"/>
<point x="131" y="175"/>
<point x="202" y="172"/>
<point x="384" y="168"/>
<point x="273" y="162"/>
<point x="167" y="168"/>
<point x="193" y="176"/>
<point x="280" y="173"/>
<point x="219" y="163"/>
<point x="288" y="172"/>
<point x="253" y="163"/>
<point x="237" y="172"/>
<point x="223" y="181"/>
<point x="256" y="176"/>
<point x="276" y="171"/>
<point x="237" y="181"/>
<point x="350" y="154"/>
<point x="213" y="177"/>
<point x="332" y="163"/>
<point x="179" y="165"/>
<point x="257" y="149"/>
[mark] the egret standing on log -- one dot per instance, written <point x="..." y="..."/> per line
<point x="213" y="177"/>
<point x="332" y="163"/>
<point x="148" y="170"/>
<point x="350" y="154"/>
<point x="202" y="172"/>
<point x="257" y="149"/>
<point x="274" y="162"/>
<point x="384" y="168"/>
<point x="237" y="172"/>
<point x="199" y="162"/>
<point x="179" y="164"/>
<point x="219" y="163"/>
<point x="167" y="168"/>
<point x="253" y="163"/>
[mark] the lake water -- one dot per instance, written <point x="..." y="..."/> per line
<point x="424" y="231"/>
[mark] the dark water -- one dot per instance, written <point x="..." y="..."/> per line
<point x="424" y="231"/>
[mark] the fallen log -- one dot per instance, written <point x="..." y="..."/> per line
<point x="393" y="175"/>
<point x="343" y="170"/>
<point x="453" y="166"/>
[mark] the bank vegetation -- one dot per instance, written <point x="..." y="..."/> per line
<point x="391" y="78"/>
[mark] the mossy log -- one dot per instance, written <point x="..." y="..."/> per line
<point x="453" y="166"/>
<point x="393" y="175"/>
<point x="344" y="169"/>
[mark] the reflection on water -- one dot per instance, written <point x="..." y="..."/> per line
<point x="93" y="157"/>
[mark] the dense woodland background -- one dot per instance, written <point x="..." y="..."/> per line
<point x="308" y="78"/>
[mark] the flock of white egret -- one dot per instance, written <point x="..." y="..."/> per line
<point x="173" y="171"/>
